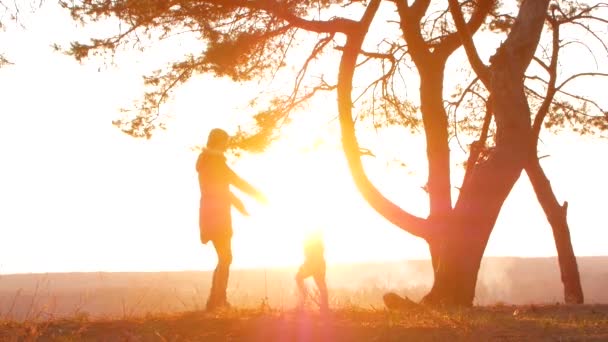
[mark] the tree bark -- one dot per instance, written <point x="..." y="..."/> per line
<point x="436" y="131"/>
<point x="461" y="247"/>
<point x="431" y="61"/>
<point x="557" y="217"/>
<point x="556" y="214"/>
<point x="437" y="148"/>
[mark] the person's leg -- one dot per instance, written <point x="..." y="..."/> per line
<point x="319" y="277"/>
<point x="224" y="249"/>
<point x="303" y="273"/>
<point x="212" y="300"/>
<point x="217" y="295"/>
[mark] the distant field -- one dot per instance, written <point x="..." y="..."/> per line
<point x="495" y="323"/>
<point x="507" y="281"/>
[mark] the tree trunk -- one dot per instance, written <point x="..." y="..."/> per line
<point x="557" y="217"/>
<point x="435" y="122"/>
<point x="437" y="148"/>
<point x="461" y="246"/>
<point x="458" y="260"/>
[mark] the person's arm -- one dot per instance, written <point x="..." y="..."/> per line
<point x="244" y="186"/>
<point x="238" y="204"/>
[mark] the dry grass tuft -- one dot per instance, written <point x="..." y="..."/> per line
<point x="500" y="322"/>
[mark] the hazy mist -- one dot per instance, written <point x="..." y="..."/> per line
<point x="118" y="295"/>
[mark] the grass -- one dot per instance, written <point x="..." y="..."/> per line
<point x="486" y="323"/>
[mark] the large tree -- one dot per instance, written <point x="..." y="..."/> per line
<point x="249" y="39"/>
<point x="553" y="101"/>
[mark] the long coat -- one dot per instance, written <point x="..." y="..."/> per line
<point x="215" y="178"/>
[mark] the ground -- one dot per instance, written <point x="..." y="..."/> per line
<point x="492" y="323"/>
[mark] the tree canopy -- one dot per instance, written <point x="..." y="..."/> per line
<point x="246" y="40"/>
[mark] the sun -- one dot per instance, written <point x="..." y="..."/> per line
<point x="311" y="189"/>
<point x="307" y="191"/>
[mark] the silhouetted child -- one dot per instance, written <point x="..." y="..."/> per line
<point x="314" y="265"/>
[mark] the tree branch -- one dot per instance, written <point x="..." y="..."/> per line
<point x="452" y="41"/>
<point x="573" y="77"/>
<point x="406" y="221"/>
<point x="478" y="66"/>
<point x="277" y="9"/>
<point x="552" y="70"/>
<point x="479" y="146"/>
<point x="410" y="27"/>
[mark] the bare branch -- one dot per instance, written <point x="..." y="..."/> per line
<point x="278" y="9"/>
<point x="319" y="46"/>
<point x="453" y="40"/>
<point x="552" y="70"/>
<point x="582" y="74"/>
<point x="467" y="41"/>
<point x="456" y="105"/>
<point x="586" y="100"/>
<point x="408" y="222"/>
<point x="541" y="63"/>
<point x="464" y="93"/>
<point x="478" y="147"/>
<point x="594" y="34"/>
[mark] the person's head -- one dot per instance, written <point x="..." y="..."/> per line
<point x="218" y="139"/>
<point x="314" y="234"/>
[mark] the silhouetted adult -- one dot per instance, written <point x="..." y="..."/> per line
<point x="215" y="220"/>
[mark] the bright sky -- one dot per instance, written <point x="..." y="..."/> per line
<point x="78" y="195"/>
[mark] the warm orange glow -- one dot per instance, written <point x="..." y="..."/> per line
<point x="311" y="189"/>
<point x="78" y="195"/>
<point x="306" y="192"/>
